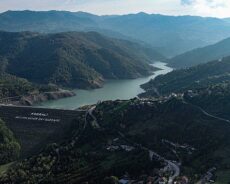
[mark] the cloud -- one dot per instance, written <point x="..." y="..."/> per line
<point x="208" y="3"/>
<point x="218" y="8"/>
<point x="187" y="2"/>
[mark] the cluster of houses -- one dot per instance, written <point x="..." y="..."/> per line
<point x="148" y="180"/>
<point x="118" y="144"/>
<point x="208" y="176"/>
<point x="158" y="178"/>
<point x="186" y="147"/>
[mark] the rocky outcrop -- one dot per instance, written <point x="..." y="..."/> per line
<point x="42" y="97"/>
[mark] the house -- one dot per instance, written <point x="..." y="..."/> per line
<point x="112" y="148"/>
<point x="123" y="181"/>
<point x="162" y="180"/>
<point x="127" y="148"/>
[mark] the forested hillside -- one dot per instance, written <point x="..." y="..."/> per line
<point x="181" y="80"/>
<point x="9" y="146"/>
<point x="73" y="59"/>
<point x="201" y="55"/>
<point x="119" y="143"/>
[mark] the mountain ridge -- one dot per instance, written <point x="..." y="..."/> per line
<point x="167" y="33"/>
<point x="201" y="55"/>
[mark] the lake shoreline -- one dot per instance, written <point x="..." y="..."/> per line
<point x="36" y="98"/>
<point x="123" y="89"/>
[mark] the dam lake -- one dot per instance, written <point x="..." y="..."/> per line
<point x="112" y="90"/>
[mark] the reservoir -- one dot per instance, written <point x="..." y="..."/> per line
<point x="112" y="90"/>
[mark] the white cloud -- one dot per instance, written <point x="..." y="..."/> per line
<point x="218" y="8"/>
<point x="214" y="8"/>
<point x="187" y="2"/>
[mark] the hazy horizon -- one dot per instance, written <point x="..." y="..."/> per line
<point x="204" y="8"/>
<point x="113" y="14"/>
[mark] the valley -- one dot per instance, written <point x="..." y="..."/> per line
<point x="135" y="98"/>
<point x="97" y="143"/>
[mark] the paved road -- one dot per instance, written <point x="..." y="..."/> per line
<point x="206" y="113"/>
<point x="176" y="170"/>
<point x="42" y="108"/>
<point x="90" y="112"/>
<point x="173" y="166"/>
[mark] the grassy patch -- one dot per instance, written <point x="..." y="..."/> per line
<point x="5" y="167"/>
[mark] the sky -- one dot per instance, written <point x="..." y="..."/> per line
<point x="206" y="8"/>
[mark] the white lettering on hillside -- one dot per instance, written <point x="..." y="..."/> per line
<point x="39" y="114"/>
<point x="37" y="119"/>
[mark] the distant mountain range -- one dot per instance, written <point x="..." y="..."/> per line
<point x="201" y="76"/>
<point x="169" y="34"/>
<point x="73" y="59"/>
<point x="202" y="55"/>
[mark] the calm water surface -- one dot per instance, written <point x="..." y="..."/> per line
<point x="112" y="90"/>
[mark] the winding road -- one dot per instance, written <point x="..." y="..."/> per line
<point x="206" y="113"/>
<point x="173" y="166"/>
<point x="176" y="170"/>
<point x="90" y="112"/>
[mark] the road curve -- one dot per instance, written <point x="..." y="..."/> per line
<point x="176" y="169"/>
<point x="173" y="166"/>
<point x="206" y="113"/>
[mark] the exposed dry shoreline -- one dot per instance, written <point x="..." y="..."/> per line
<point x="33" y="99"/>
